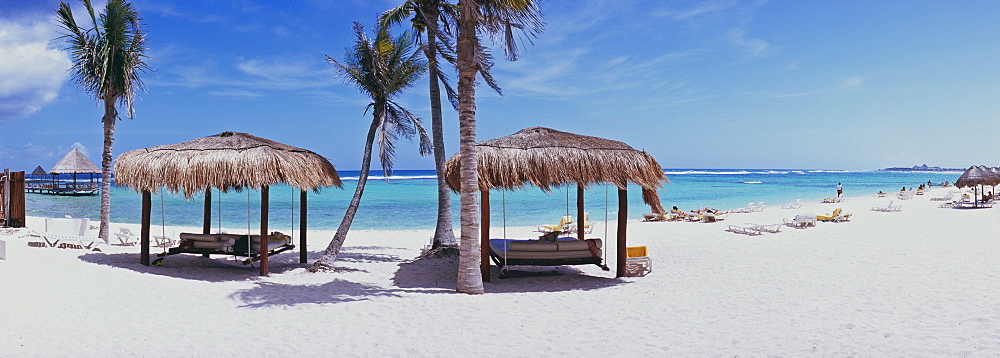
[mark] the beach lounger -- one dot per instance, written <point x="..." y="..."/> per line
<point x="771" y="228"/>
<point x="746" y="229"/>
<point x="746" y="209"/>
<point x="836" y="216"/>
<point x="801" y="221"/>
<point x="563" y="251"/>
<point x="888" y="208"/>
<point x="947" y="197"/>
<point x="60" y="232"/>
<point x="796" y="205"/>
<point x="637" y="261"/>
<point x="758" y="208"/>
<point x="832" y="200"/>
<point x="125" y="237"/>
<point x="563" y="225"/>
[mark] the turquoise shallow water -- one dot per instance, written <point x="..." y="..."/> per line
<point x="408" y="199"/>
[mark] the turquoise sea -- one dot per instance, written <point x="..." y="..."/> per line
<point x="407" y="200"/>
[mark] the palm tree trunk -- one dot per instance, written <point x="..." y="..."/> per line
<point x="110" y="117"/>
<point x="326" y="261"/>
<point x="470" y="278"/>
<point x="444" y="234"/>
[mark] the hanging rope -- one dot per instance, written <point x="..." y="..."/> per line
<point x="605" y="251"/>
<point x="219" y="212"/>
<point x="503" y="207"/>
<point x="163" y="223"/>
<point x="567" y="199"/>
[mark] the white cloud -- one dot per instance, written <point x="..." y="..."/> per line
<point x="753" y="47"/>
<point x="31" y="72"/>
<point x="703" y="8"/>
<point x="79" y="146"/>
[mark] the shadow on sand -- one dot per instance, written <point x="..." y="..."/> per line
<point x="440" y="274"/>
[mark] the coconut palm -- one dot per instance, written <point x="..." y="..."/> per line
<point x="435" y="19"/>
<point x="427" y="17"/>
<point x="498" y="18"/>
<point x="381" y="68"/>
<point x="107" y="61"/>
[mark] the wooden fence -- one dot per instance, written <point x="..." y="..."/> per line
<point x="12" y="203"/>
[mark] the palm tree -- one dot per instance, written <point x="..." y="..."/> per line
<point x="381" y="69"/>
<point x="426" y="16"/>
<point x="107" y="60"/>
<point x="498" y="18"/>
<point x="434" y="19"/>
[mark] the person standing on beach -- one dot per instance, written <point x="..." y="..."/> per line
<point x="840" y="189"/>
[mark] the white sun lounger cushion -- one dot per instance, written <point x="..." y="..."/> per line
<point x="207" y="244"/>
<point x="547" y="254"/>
<point x="545" y="246"/>
<point x="532" y="246"/>
<point x="200" y="237"/>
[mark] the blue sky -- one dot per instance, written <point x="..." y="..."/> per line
<point x="712" y="84"/>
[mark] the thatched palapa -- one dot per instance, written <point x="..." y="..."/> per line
<point x="74" y="163"/>
<point x="977" y="175"/>
<point x="231" y="160"/>
<point x="547" y="158"/>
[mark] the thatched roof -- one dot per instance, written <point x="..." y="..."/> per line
<point x="38" y="171"/>
<point x="977" y="175"/>
<point x="546" y="158"/>
<point x="74" y="162"/>
<point x="230" y="160"/>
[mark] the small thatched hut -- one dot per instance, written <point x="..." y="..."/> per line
<point x="74" y="163"/>
<point x="545" y="158"/>
<point x="227" y="161"/>
<point x="976" y="176"/>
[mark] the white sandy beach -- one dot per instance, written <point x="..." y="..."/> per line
<point x="921" y="282"/>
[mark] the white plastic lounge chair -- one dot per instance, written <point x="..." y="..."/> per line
<point x="125" y="237"/>
<point x="771" y="228"/>
<point x="746" y="209"/>
<point x="637" y="262"/>
<point x="796" y="205"/>
<point x="746" y="229"/>
<point x="947" y="197"/>
<point x="69" y="231"/>
<point x="758" y="208"/>
<point x="888" y="208"/>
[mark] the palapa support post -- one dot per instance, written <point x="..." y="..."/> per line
<point x="264" y="194"/>
<point x="579" y="212"/>
<point x="206" y="227"/>
<point x="302" y="227"/>
<point x="147" y="208"/>
<point x="622" y="228"/>
<point x="484" y="236"/>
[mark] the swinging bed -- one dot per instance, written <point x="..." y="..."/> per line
<point x="547" y="158"/>
<point x="227" y="161"/>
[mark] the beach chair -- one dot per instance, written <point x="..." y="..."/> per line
<point x="125" y="237"/>
<point x="758" y="208"/>
<point x="563" y="225"/>
<point x="836" y="216"/>
<point x="69" y="232"/>
<point x="888" y="208"/>
<point x="746" y="209"/>
<point x="801" y="221"/>
<point x="653" y="217"/>
<point x="746" y="229"/>
<point x="796" y="205"/>
<point x="771" y="228"/>
<point x="947" y="197"/>
<point x="637" y="261"/>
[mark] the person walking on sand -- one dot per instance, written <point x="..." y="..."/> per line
<point x="840" y="190"/>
